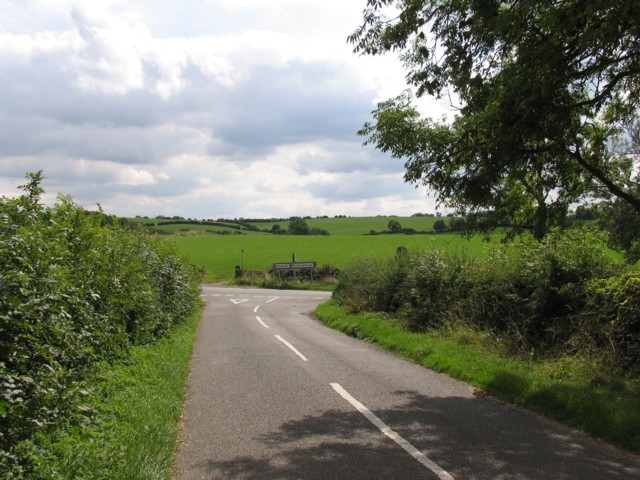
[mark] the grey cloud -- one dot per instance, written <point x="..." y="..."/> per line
<point x="91" y="188"/>
<point x="36" y="136"/>
<point x="302" y="102"/>
<point x="347" y="157"/>
<point x="44" y="87"/>
<point x="85" y="140"/>
<point x="351" y="187"/>
<point x="271" y="105"/>
<point x="43" y="113"/>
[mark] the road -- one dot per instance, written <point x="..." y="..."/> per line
<point x="273" y="394"/>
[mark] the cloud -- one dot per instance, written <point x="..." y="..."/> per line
<point x="206" y="108"/>
<point x="108" y="60"/>
<point x="349" y="187"/>
<point x="287" y="104"/>
<point x="344" y="157"/>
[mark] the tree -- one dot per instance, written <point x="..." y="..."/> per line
<point x="543" y="88"/>
<point x="457" y="224"/>
<point x="623" y="225"/>
<point x="394" y="226"/>
<point x="585" y="212"/>
<point x="616" y="216"/>
<point x="439" y="226"/>
<point x="298" y="226"/>
<point x="318" y="231"/>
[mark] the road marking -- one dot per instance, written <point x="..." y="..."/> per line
<point x="292" y="348"/>
<point x="240" y="301"/>
<point x="262" y="323"/>
<point x="274" y="298"/>
<point x="384" y="428"/>
<point x="256" y="309"/>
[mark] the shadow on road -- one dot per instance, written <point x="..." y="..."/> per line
<point x="471" y="438"/>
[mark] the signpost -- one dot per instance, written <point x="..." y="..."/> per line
<point x="294" y="265"/>
<point x="283" y="269"/>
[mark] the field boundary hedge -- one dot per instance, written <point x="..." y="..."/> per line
<point x="77" y="290"/>
<point x="561" y="296"/>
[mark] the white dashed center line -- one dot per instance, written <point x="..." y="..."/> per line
<point x="262" y="323"/>
<point x="292" y="348"/>
<point x="384" y="428"/>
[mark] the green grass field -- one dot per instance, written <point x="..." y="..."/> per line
<point x="349" y="240"/>
<point x="359" y="225"/>
<point x="219" y="255"/>
<point x="336" y="226"/>
<point x="182" y="228"/>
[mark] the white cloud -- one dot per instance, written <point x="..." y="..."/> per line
<point x="23" y="47"/>
<point x="202" y="108"/>
<point x="133" y="176"/>
<point x="108" y="61"/>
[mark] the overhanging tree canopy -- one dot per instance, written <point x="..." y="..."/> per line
<point x="544" y="87"/>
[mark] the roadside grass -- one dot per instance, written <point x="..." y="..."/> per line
<point x="267" y="281"/>
<point x="219" y="254"/>
<point x="576" y="391"/>
<point x="136" y="410"/>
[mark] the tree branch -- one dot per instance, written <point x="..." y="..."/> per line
<point x="600" y="174"/>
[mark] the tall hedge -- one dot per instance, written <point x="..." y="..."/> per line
<point x="76" y="289"/>
<point x="557" y="296"/>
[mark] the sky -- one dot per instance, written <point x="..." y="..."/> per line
<point x="198" y="108"/>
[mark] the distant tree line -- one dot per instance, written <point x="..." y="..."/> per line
<point x="227" y="224"/>
<point x="298" y="226"/>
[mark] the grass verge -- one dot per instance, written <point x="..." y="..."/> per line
<point x="325" y="285"/>
<point x="573" y="391"/>
<point x="136" y="410"/>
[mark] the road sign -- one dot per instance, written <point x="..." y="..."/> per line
<point x="294" y="265"/>
<point x="304" y="265"/>
<point x="281" y="266"/>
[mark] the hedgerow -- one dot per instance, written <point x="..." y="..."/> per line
<point x="562" y="295"/>
<point x="76" y="290"/>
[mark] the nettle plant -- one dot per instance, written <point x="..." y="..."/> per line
<point x="76" y="289"/>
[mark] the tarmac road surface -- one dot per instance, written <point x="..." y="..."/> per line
<point x="273" y="394"/>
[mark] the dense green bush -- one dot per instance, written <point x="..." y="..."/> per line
<point x="371" y="284"/>
<point x="356" y="286"/>
<point x="614" y="306"/>
<point x="550" y="297"/>
<point x="75" y="290"/>
<point x="551" y="279"/>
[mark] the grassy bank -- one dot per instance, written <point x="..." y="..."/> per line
<point x="575" y="391"/>
<point x="136" y="409"/>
